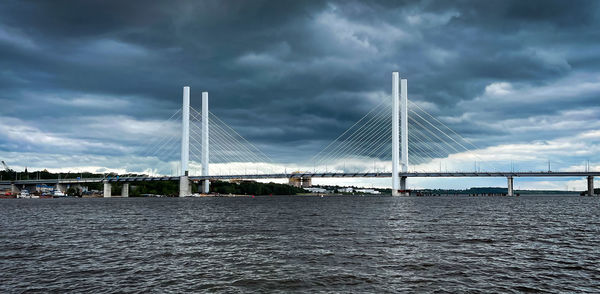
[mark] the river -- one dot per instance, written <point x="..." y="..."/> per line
<point x="301" y="244"/>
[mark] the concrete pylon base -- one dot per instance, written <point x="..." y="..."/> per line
<point x="184" y="186"/>
<point x="107" y="189"/>
<point x="125" y="190"/>
<point x="205" y="186"/>
<point x="14" y="189"/>
<point x="400" y="193"/>
<point x="403" y="183"/>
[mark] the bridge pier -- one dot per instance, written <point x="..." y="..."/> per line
<point x="590" y="185"/>
<point x="107" y="189"/>
<point x="14" y="189"/>
<point x="205" y="186"/>
<point x="184" y="186"/>
<point x="125" y="190"/>
<point x="403" y="186"/>
<point x="510" y="185"/>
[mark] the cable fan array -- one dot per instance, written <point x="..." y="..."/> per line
<point x="229" y="152"/>
<point x="166" y="146"/>
<point x="369" y="139"/>
<point x="432" y="146"/>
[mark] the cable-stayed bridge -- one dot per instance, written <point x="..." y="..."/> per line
<point x="400" y="137"/>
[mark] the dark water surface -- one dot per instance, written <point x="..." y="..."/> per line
<point x="301" y="244"/>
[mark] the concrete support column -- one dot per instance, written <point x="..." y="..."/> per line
<point x="395" y="133"/>
<point x="590" y="185"/>
<point x="205" y="142"/>
<point x="403" y="186"/>
<point x="107" y="189"/>
<point x="510" y="185"/>
<point x="205" y="186"/>
<point x="14" y="189"/>
<point x="125" y="190"/>
<point x="184" y="186"/>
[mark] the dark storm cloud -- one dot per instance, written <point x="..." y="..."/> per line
<point x="288" y="73"/>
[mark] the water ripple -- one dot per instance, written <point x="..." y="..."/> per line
<point x="301" y="244"/>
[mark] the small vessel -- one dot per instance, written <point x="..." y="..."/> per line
<point x="24" y="194"/>
<point x="58" y="193"/>
<point x="7" y="195"/>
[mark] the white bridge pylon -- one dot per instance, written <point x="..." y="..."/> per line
<point x="205" y="142"/>
<point x="223" y="146"/>
<point x="399" y="133"/>
<point x="184" y="184"/>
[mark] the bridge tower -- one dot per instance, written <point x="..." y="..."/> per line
<point x="205" y="142"/>
<point x="395" y="133"/>
<point x="184" y="182"/>
<point x="399" y="133"/>
<point x="404" y="131"/>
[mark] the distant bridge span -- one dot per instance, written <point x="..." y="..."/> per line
<point x="509" y="175"/>
<point x="310" y="175"/>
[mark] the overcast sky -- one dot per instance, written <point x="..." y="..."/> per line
<point x="83" y="84"/>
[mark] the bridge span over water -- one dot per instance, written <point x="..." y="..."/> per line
<point x="127" y="179"/>
<point x="384" y="133"/>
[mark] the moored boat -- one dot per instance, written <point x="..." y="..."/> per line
<point x="24" y="194"/>
<point x="7" y="195"/>
<point x="58" y="193"/>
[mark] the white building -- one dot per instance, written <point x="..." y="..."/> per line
<point x="316" y="190"/>
<point x="368" y="191"/>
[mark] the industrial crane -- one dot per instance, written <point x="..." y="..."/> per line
<point x="5" y="166"/>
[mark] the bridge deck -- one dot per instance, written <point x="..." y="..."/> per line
<point x="312" y="175"/>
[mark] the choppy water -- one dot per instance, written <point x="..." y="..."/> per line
<point x="303" y="244"/>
